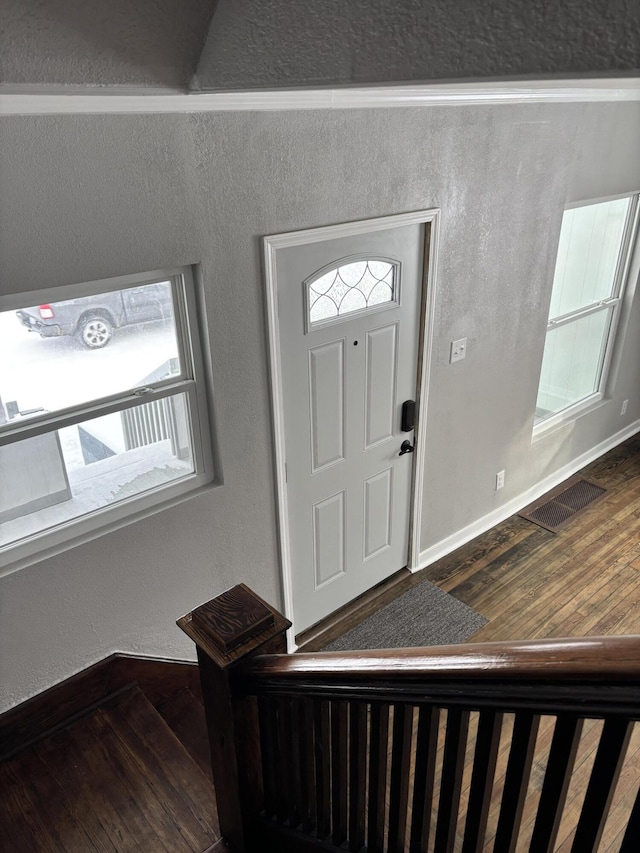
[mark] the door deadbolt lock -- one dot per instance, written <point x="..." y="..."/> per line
<point x="408" y="415"/>
<point x="405" y="447"/>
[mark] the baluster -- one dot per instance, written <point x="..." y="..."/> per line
<point x="516" y="782"/>
<point x="307" y="770"/>
<point x="295" y="767"/>
<point x="323" y="766"/>
<point x="426" y="753"/>
<point x="399" y="782"/>
<point x="451" y="785"/>
<point x="378" y="749"/>
<point x="268" y="746"/>
<point x="357" y="773"/>
<point x="602" y="782"/>
<point x="484" y="768"/>
<point x="564" y="746"/>
<point x="283" y="762"/>
<point x="339" y="777"/>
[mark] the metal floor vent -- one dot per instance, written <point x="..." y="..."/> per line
<point x="558" y="507"/>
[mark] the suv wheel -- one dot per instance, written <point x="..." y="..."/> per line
<point x="95" y="332"/>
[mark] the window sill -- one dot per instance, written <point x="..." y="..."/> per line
<point x="27" y="553"/>
<point x="567" y="418"/>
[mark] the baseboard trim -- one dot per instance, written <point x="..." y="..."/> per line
<point x="52" y="709"/>
<point x="466" y="534"/>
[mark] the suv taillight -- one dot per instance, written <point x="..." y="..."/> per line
<point x="46" y="312"/>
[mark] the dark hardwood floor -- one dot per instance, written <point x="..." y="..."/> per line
<point x="116" y="780"/>
<point x="583" y="580"/>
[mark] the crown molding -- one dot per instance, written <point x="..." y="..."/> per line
<point x="29" y="100"/>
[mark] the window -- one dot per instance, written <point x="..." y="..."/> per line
<point x="593" y="253"/>
<point x="361" y="285"/>
<point x="103" y="409"/>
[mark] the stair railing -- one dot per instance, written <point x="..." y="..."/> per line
<point x="519" y="745"/>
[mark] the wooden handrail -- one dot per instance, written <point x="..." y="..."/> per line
<point x="590" y="658"/>
<point x="340" y="750"/>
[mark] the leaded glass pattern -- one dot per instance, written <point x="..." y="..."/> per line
<point x="351" y="287"/>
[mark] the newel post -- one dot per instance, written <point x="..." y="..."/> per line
<point x="227" y="630"/>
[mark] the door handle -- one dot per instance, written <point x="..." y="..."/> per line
<point x="405" y="447"/>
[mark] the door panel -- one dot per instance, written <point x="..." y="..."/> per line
<point x="378" y="496"/>
<point x="347" y="366"/>
<point x="380" y="388"/>
<point x="326" y="394"/>
<point x="329" y="539"/>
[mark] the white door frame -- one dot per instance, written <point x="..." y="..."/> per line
<point x="271" y="244"/>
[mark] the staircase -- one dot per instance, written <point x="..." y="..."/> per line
<point x="125" y="776"/>
<point x="518" y="747"/>
<point x="514" y="747"/>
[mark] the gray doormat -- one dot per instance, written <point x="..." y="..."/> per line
<point x="422" y="616"/>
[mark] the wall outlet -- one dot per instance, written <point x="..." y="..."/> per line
<point x="458" y="350"/>
<point x="500" y="480"/>
<point x="623" y="410"/>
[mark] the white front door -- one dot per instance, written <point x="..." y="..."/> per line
<point x="349" y="313"/>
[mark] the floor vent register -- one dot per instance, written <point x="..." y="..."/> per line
<point x="560" y="506"/>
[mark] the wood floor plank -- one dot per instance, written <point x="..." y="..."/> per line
<point x="624" y="796"/>
<point x="592" y="583"/>
<point x="76" y="791"/>
<point x="56" y="810"/>
<point x="184" y="715"/>
<point x="528" y="606"/>
<point x="23" y="826"/>
<point x="468" y="560"/>
<point x="84" y="769"/>
<point x="535" y="574"/>
<point x="182" y="789"/>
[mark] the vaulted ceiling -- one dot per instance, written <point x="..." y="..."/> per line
<point x="249" y="44"/>
<point x="140" y="43"/>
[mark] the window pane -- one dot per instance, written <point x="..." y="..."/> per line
<point x="572" y="363"/>
<point x="65" y="475"/>
<point x="588" y="251"/>
<point x="351" y="287"/>
<point x="67" y="353"/>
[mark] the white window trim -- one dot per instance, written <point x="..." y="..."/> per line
<point x="613" y="303"/>
<point x="193" y="382"/>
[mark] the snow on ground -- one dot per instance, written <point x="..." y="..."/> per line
<point x="103" y="483"/>
<point x="53" y="373"/>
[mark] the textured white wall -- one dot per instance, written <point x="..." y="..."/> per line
<point x="87" y="197"/>
<point x="262" y="43"/>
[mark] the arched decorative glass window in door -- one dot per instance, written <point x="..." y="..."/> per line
<point x="365" y="284"/>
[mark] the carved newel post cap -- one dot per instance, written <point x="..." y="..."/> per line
<point x="232" y="625"/>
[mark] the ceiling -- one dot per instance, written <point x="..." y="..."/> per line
<point x="256" y="44"/>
